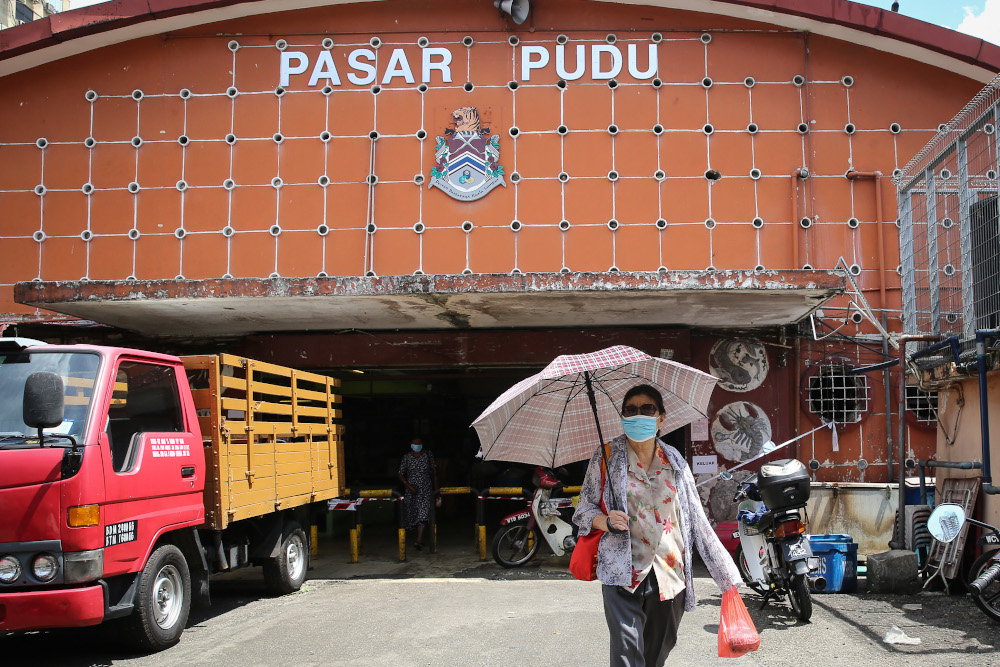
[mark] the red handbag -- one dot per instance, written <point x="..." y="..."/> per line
<point x="583" y="562"/>
<point x="737" y="634"/>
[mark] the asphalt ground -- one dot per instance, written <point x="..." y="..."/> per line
<point x="447" y="608"/>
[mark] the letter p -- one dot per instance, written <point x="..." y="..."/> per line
<point x="528" y="64"/>
<point x="287" y="69"/>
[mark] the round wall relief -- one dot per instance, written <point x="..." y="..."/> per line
<point x="739" y="363"/>
<point x="739" y="430"/>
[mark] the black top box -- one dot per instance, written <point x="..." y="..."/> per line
<point x="783" y="484"/>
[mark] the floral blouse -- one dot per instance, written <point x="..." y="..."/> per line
<point x="614" y="553"/>
<point x="657" y="544"/>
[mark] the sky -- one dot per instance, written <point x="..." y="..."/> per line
<point x="980" y="18"/>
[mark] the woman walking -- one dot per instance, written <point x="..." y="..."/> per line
<point x="418" y="473"/>
<point x="645" y="568"/>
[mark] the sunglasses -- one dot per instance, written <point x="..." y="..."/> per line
<point x="646" y="410"/>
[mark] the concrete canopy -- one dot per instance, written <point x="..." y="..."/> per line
<point x="233" y="307"/>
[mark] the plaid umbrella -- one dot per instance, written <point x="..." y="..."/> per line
<point x="563" y="413"/>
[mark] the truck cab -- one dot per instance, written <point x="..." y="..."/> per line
<point x="100" y="456"/>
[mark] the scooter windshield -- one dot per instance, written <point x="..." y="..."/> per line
<point x="78" y="371"/>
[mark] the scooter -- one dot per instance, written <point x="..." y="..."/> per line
<point x="517" y="540"/>
<point x="774" y="555"/>
<point x="945" y="524"/>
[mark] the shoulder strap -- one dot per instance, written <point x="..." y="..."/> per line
<point x="604" y="473"/>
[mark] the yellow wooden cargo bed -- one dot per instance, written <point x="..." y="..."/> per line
<point x="272" y="437"/>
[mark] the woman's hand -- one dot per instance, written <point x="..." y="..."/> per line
<point x="411" y="488"/>
<point x="616" y="519"/>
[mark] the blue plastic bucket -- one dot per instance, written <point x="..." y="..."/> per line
<point x="838" y="564"/>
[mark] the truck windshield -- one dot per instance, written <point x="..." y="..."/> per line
<point x="78" y="371"/>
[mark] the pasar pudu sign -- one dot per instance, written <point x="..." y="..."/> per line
<point x="361" y="67"/>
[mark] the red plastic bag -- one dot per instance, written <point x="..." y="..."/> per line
<point x="737" y="633"/>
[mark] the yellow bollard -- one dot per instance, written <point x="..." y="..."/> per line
<point x="355" y="547"/>
<point x="482" y="541"/>
<point x="402" y="545"/>
<point x="314" y="539"/>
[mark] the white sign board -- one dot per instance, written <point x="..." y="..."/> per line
<point x="705" y="465"/>
<point x="699" y="430"/>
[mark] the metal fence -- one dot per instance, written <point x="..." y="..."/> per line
<point x="949" y="227"/>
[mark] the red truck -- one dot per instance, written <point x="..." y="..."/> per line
<point x="128" y="477"/>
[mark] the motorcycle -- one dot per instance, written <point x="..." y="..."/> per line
<point x="517" y="540"/>
<point x="774" y="556"/>
<point x="945" y="524"/>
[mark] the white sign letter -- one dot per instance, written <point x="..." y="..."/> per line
<point x="633" y="66"/>
<point x="442" y="66"/>
<point x="581" y="62"/>
<point x="595" y="61"/>
<point x="527" y="64"/>
<point x="354" y="60"/>
<point x="324" y="69"/>
<point x="286" y="69"/>
<point x="398" y="66"/>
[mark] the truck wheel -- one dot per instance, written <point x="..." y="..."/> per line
<point x="286" y="573"/>
<point x="163" y="600"/>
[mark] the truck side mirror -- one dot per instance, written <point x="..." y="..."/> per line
<point x="44" y="400"/>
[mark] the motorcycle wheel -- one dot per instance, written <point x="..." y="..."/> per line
<point x="798" y="597"/>
<point x="741" y="565"/>
<point x="514" y="545"/>
<point x="989" y="601"/>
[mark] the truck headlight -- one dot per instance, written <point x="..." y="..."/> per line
<point x="45" y="567"/>
<point x="10" y="569"/>
<point x="83" y="566"/>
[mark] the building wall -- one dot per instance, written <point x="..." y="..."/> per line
<point x="274" y="229"/>
<point x="14" y="12"/>
<point x="960" y="438"/>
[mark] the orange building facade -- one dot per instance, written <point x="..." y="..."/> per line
<point x="710" y="180"/>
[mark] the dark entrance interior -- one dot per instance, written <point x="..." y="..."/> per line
<point x="384" y="409"/>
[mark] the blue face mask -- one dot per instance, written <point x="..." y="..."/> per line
<point x="640" y="428"/>
<point x="415" y="447"/>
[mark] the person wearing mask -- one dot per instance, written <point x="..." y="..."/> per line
<point x="418" y="473"/>
<point x="645" y="565"/>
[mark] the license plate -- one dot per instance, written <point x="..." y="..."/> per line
<point x="796" y="550"/>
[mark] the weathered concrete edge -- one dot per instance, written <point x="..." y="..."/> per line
<point x="44" y="293"/>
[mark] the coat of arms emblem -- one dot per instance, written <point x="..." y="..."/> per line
<point x="467" y="158"/>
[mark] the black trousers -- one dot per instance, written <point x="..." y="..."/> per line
<point x="643" y="628"/>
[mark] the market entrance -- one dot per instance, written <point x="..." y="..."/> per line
<point x="385" y="409"/>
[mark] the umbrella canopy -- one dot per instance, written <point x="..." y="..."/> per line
<point x="548" y="419"/>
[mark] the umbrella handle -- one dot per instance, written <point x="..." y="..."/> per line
<point x="600" y="439"/>
<point x="593" y="406"/>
